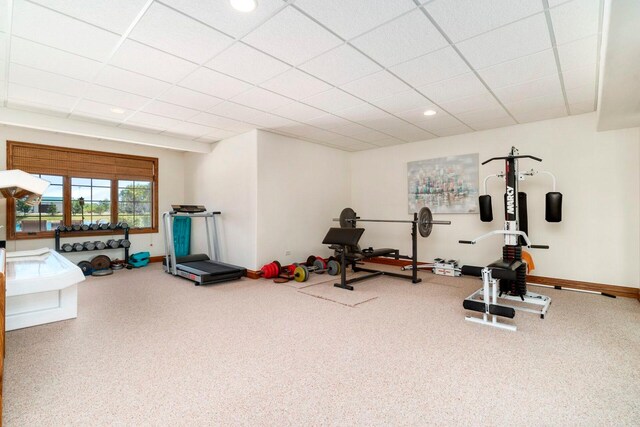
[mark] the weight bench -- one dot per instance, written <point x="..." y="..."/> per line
<point x="346" y="241"/>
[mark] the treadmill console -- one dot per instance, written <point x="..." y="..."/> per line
<point x="188" y="208"/>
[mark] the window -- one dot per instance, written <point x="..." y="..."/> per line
<point x="134" y="203"/>
<point x="90" y="200"/>
<point x="85" y="187"/>
<point x="48" y="214"/>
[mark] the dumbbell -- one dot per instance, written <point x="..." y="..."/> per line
<point x="123" y="225"/>
<point x="94" y="226"/>
<point x="113" y="226"/>
<point x="76" y="227"/>
<point x="113" y="244"/>
<point x="104" y="226"/>
<point x="90" y="246"/>
<point x="99" y="245"/>
<point x="302" y="272"/>
<point x="330" y="265"/>
<point x="78" y="247"/>
<point x="84" y="227"/>
<point x="67" y="247"/>
<point x="124" y="243"/>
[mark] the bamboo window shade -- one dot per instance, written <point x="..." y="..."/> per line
<point x="49" y="160"/>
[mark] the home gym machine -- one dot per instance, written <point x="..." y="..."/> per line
<point x="506" y="278"/>
<point x="200" y="268"/>
<point x="344" y="241"/>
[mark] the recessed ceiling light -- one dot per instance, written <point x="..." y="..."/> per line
<point x="117" y="110"/>
<point x="430" y="113"/>
<point x="244" y="5"/>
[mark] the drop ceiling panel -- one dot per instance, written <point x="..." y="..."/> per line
<point x="328" y="122"/>
<point x="441" y="120"/>
<point x="433" y="67"/>
<point x="402" y="39"/>
<point x="363" y="113"/>
<point x="134" y="56"/>
<point x="369" y="135"/>
<point x="261" y="99"/>
<point x="333" y="100"/>
<point x="546" y="86"/>
<point x="515" y="40"/>
<point x="582" y="107"/>
<point x="44" y="26"/>
<point x="520" y="70"/>
<point x="352" y="129"/>
<point x="112" y="15"/>
<point x="578" y="53"/>
<point x="34" y="78"/>
<point x="152" y="121"/>
<point x="238" y="112"/>
<point x="173" y="32"/>
<point x="215" y="84"/>
<point x="131" y="82"/>
<point x="493" y="123"/>
<point x="575" y="20"/>
<point x="40" y="98"/>
<point x="172" y="111"/>
<point x="350" y="18"/>
<point x="115" y="97"/>
<point x="218" y="122"/>
<point x="248" y="64"/>
<point x="375" y="86"/>
<point x="539" y="103"/>
<point x="191" y="99"/>
<point x="218" y="134"/>
<point x="296" y="85"/>
<point x="581" y="94"/>
<point x="409" y="133"/>
<point x="471" y="103"/>
<point x="220" y="15"/>
<point x="299" y="112"/>
<point x="192" y="130"/>
<point x="4" y="5"/>
<point x="101" y="110"/>
<point x="470" y="118"/>
<point x="461" y="86"/>
<point x="455" y="130"/>
<point x="580" y="76"/>
<point x="462" y="19"/>
<point x="402" y="101"/>
<point x="387" y="142"/>
<point x="541" y="114"/>
<point x="46" y="58"/>
<point x="340" y="65"/>
<point x="292" y="37"/>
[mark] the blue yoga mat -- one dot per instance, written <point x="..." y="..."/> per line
<point x="182" y="235"/>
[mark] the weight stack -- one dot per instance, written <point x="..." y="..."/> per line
<point x="519" y="286"/>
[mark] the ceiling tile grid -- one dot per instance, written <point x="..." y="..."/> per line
<point x="344" y="73"/>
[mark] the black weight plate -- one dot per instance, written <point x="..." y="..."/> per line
<point x="347" y="218"/>
<point x="101" y="262"/>
<point x="310" y="260"/>
<point x="117" y="266"/>
<point x="104" y="272"/>
<point x="424" y="222"/>
<point x="86" y="267"/>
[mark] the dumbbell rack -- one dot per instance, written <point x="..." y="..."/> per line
<point x="115" y="231"/>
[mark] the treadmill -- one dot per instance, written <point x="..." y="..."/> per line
<point x="202" y="269"/>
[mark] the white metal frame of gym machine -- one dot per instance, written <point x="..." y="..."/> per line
<point x="490" y="300"/>
<point x="169" y="247"/>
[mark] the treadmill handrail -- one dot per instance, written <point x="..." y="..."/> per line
<point x="195" y="214"/>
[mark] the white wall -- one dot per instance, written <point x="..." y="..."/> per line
<point x="170" y="183"/>
<point x="598" y="173"/>
<point x="226" y="180"/>
<point x="301" y="187"/>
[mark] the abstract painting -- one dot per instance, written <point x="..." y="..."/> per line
<point x="444" y="185"/>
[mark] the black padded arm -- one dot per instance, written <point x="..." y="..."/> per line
<point x="343" y="236"/>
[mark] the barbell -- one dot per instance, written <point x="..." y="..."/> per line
<point x="425" y="221"/>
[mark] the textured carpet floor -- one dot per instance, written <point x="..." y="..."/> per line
<point x="150" y="349"/>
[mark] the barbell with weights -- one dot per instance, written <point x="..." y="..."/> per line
<point x="424" y="221"/>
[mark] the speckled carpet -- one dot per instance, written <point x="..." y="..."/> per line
<point x="151" y="349"/>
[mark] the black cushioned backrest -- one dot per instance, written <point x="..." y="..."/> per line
<point x="343" y="236"/>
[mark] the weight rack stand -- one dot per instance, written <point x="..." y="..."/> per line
<point x="124" y="231"/>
